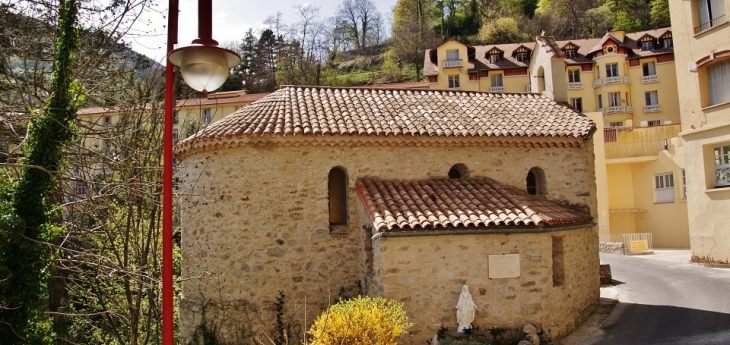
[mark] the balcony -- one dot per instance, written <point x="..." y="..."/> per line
<point x="597" y="83"/>
<point x="575" y="85"/>
<point x="496" y="89"/>
<point x="711" y="24"/>
<point x="614" y="109"/>
<point x="654" y="108"/>
<point x="638" y="143"/>
<point x="452" y="63"/>
<point x="649" y="79"/>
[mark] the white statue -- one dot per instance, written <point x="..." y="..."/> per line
<point x="465" y="310"/>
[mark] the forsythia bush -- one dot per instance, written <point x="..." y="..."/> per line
<point x="360" y="321"/>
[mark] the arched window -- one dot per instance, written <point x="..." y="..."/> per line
<point x="458" y="171"/>
<point x="337" y="185"/>
<point x="535" y="182"/>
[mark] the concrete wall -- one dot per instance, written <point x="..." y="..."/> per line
<point x="255" y="218"/>
<point x="426" y="273"/>
<point x="703" y="127"/>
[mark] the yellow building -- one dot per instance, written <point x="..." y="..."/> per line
<point x="703" y="69"/>
<point x="627" y="83"/>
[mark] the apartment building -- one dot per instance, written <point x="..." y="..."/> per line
<point x="703" y="70"/>
<point x="627" y="83"/>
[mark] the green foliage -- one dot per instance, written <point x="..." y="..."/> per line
<point x="25" y="264"/>
<point x="660" y="13"/>
<point x="360" y="321"/>
<point x="502" y="30"/>
<point x="451" y="341"/>
<point x="625" y="22"/>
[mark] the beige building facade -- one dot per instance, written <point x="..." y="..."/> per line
<point x="406" y="194"/>
<point x="703" y="70"/>
<point x="624" y="81"/>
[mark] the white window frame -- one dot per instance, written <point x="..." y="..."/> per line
<point x="668" y="43"/>
<point x="453" y="81"/>
<point x="664" y="188"/>
<point x="570" y="53"/>
<point x="709" y="13"/>
<point x="577" y="103"/>
<point x="718" y="82"/>
<point x="721" y="162"/>
<point x="574" y="75"/>
<point x="493" y="58"/>
<point x="496" y="80"/>
<point x="647" y="46"/>
<point x="452" y="55"/>
<point x="80" y="188"/>
<point x="651" y="98"/>
<point x="611" y="70"/>
<point x="614" y="99"/>
<point x="522" y="57"/>
<point x="648" y="68"/>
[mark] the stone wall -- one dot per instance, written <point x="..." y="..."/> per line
<point x="254" y="220"/>
<point x="426" y="273"/>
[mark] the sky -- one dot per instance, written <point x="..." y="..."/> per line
<point x="231" y="20"/>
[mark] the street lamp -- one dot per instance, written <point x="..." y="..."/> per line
<point x="204" y="67"/>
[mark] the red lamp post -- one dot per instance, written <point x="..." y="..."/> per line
<point x="204" y="67"/>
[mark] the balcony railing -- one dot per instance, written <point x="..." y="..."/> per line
<point x="452" y="63"/>
<point x="528" y="88"/>
<point x="597" y="83"/>
<point x="615" y="150"/>
<point x="613" y="80"/>
<point x="652" y="108"/>
<point x="615" y="109"/>
<point x="649" y="78"/>
<point x="627" y="80"/>
<point x="711" y="24"/>
<point x="496" y="89"/>
<point x="575" y="85"/>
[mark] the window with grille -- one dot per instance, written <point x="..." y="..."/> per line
<point x="616" y="124"/>
<point x="722" y="165"/>
<point x="652" y="123"/>
<point x="710" y="13"/>
<point x="664" y="188"/>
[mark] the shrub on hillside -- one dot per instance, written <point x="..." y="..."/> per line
<point x="360" y="321"/>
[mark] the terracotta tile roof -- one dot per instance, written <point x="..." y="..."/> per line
<point x="212" y="99"/>
<point x="408" y="85"/>
<point x="458" y="203"/>
<point x="325" y="111"/>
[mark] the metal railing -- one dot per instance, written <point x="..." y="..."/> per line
<point x="452" y="63"/>
<point x="652" y="108"/>
<point x="528" y="88"/>
<point x="575" y="85"/>
<point x="711" y="24"/>
<point x="616" y="150"/>
<point x="649" y="78"/>
<point x="496" y="89"/>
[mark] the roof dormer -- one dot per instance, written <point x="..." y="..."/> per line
<point x="522" y="54"/>
<point x="494" y="55"/>
<point x="647" y="42"/>
<point x="665" y="40"/>
<point x="570" y="50"/>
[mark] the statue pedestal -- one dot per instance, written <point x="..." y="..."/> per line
<point x="474" y="335"/>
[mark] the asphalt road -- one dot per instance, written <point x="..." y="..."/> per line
<point x="664" y="299"/>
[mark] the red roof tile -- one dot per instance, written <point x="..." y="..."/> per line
<point x="325" y="111"/>
<point x="458" y="203"/>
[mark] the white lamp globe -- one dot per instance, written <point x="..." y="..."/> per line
<point x="203" y="67"/>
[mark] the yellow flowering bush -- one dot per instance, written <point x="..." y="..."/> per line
<point x="360" y="321"/>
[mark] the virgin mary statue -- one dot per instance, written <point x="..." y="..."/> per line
<point x="465" y="310"/>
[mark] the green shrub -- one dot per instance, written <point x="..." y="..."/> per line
<point x="360" y="321"/>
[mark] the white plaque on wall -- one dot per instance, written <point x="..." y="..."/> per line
<point x="504" y="266"/>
